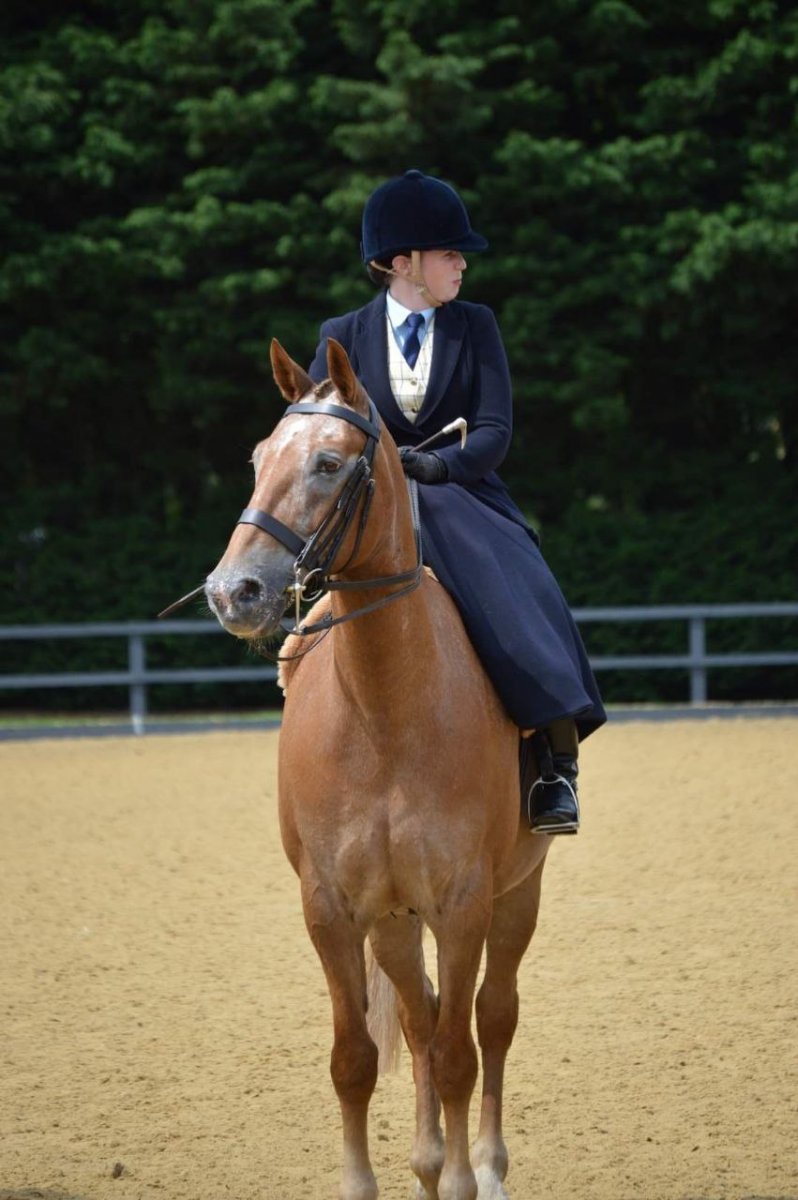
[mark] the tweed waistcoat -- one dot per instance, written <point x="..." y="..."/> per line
<point x="409" y="384"/>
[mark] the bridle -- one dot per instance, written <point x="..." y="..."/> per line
<point x="314" y="556"/>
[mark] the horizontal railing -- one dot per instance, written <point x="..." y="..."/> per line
<point x="695" y="660"/>
<point x="139" y="677"/>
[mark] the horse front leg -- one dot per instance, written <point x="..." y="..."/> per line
<point x="512" y="927"/>
<point x="460" y="932"/>
<point x="353" y="1062"/>
<point x="397" y="946"/>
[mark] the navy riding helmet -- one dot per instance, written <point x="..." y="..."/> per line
<point x="416" y="212"/>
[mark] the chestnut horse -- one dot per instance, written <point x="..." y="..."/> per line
<point x="398" y="778"/>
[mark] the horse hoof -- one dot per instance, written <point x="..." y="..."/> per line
<point x="489" y="1184"/>
<point x="364" y="1189"/>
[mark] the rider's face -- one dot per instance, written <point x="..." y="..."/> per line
<point x="443" y="272"/>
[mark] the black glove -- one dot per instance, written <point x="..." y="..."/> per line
<point x="426" y="468"/>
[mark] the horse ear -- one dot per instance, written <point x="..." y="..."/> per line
<point x="344" y="379"/>
<point x="293" y="382"/>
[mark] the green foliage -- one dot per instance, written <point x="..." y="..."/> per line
<point x="181" y="181"/>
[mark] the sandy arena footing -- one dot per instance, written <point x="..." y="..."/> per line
<point x="166" y="1027"/>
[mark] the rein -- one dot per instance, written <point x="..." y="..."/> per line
<point x="316" y="554"/>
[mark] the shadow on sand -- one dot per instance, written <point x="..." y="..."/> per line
<point x="38" y="1194"/>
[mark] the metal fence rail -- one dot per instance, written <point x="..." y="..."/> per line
<point x="138" y="677"/>
<point x="696" y="660"/>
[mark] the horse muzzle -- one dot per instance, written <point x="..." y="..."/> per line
<point x="247" y="602"/>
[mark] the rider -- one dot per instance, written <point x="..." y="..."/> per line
<point x="425" y="358"/>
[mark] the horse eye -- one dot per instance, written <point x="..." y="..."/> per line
<point x="328" y="466"/>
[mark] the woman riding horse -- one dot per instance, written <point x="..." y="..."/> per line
<point x="426" y="358"/>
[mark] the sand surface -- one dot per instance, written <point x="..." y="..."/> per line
<point x="164" y="1024"/>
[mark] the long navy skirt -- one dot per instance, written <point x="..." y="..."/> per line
<point x="512" y="608"/>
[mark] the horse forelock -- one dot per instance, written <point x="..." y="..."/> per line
<point x="320" y="391"/>
<point x="327" y="390"/>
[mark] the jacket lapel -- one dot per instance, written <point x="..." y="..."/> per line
<point x="449" y="334"/>
<point x="371" y="348"/>
<point x="371" y="360"/>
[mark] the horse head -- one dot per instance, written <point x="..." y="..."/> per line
<point x="307" y="511"/>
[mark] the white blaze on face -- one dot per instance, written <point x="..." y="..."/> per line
<point x="286" y="482"/>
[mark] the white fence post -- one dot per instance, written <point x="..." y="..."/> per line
<point x="698" y="649"/>
<point x="137" y="665"/>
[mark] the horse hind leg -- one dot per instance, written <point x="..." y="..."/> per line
<point x="397" y="946"/>
<point x="353" y="1062"/>
<point x="512" y="927"/>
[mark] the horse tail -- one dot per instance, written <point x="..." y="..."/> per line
<point x="382" y="1017"/>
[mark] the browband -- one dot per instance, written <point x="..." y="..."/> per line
<point x="338" y="410"/>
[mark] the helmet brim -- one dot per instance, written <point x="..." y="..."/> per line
<point x="473" y="242"/>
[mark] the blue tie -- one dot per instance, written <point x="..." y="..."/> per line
<point x="412" y="342"/>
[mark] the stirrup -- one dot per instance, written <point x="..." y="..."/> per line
<point x="553" y="827"/>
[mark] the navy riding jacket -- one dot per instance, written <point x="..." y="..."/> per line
<point x="474" y="537"/>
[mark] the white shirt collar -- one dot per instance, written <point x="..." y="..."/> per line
<point x="398" y="313"/>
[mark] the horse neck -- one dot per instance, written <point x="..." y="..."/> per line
<point x="384" y="649"/>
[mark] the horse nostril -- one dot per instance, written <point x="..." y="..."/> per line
<point x="246" y="591"/>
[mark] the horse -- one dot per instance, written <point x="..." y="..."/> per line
<point x="399" y="795"/>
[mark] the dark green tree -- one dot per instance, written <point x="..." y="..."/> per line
<point x="182" y="180"/>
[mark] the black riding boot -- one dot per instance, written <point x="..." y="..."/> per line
<point x="551" y="802"/>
